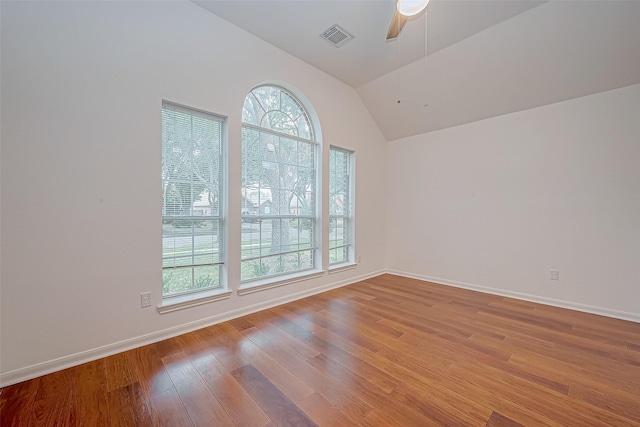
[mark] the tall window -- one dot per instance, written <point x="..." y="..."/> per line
<point x="192" y="239"/>
<point x="340" y="212"/>
<point x="279" y="153"/>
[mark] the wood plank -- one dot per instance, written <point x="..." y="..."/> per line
<point x="615" y="401"/>
<point x="549" y="381"/>
<point x="442" y="405"/>
<point x="326" y="321"/>
<point x="150" y="370"/>
<point x="564" y="372"/>
<point x="16" y="403"/>
<point x="201" y="405"/>
<point x="367" y="322"/>
<point x="241" y="323"/>
<point x="626" y="357"/>
<point x="240" y="407"/>
<point x="365" y="370"/>
<point x="499" y="420"/>
<point x="52" y="406"/>
<point x="52" y="410"/>
<point x="195" y="344"/>
<point x="167" y="409"/>
<point x="128" y="407"/>
<point x="284" y="379"/>
<point x="167" y="347"/>
<point x="392" y="418"/>
<point x="538" y="399"/>
<point x="226" y="350"/>
<point x="90" y="403"/>
<point x="375" y="397"/>
<point x="276" y="404"/>
<point x="299" y="321"/>
<point x="606" y="370"/>
<point x="324" y="413"/>
<point x="329" y="388"/>
<point x="120" y="371"/>
<point x="348" y="292"/>
<point x="412" y="293"/>
<point x="633" y="347"/>
<point x="288" y="341"/>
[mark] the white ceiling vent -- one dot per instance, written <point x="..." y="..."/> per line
<point x="337" y="36"/>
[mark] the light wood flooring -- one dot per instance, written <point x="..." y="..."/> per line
<point x="388" y="351"/>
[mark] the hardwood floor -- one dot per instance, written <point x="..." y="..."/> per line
<point x="388" y="351"/>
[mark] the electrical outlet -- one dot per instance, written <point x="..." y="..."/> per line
<point x="145" y="299"/>
<point x="555" y="274"/>
<point x="359" y="258"/>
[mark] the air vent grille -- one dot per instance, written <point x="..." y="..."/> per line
<point x="337" y="36"/>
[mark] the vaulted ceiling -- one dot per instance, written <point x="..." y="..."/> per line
<point x="483" y="58"/>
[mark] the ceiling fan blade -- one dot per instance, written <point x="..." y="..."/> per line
<point x="397" y="22"/>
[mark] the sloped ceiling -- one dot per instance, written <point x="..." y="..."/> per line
<point x="295" y="25"/>
<point x="485" y="58"/>
<point x="555" y="52"/>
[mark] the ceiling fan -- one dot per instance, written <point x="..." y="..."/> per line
<point x="404" y="9"/>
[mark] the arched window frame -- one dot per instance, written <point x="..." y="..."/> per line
<point x="280" y="164"/>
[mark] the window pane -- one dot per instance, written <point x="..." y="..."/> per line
<point x="206" y="277"/>
<point x="292" y="234"/>
<point x="181" y="280"/>
<point x="338" y="182"/>
<point x="338" y="233"/>
<point x="251" y="270"/>
<point x="191" y="195"/>
<point x="337" y="255"/>
<point x="191" y="242"/>
<point x="304" y="127"/>
<point x="290" y="106"/>
<point x="340" y="219"/>
<point x="278" y="180"/>
<point x="273" y="265"/>
<point x="252" y="111"/>
<point x="175" y="281"/>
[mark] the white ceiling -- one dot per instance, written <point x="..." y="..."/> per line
<point x="485" y="58"/>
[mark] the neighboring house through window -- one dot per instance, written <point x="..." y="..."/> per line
<point x="279" y="161"/>
<point x="192" y="185"/>
<point x="341" y="230"/>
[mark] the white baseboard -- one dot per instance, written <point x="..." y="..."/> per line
<point x="39" y="369"/>
<point x="632" y="317"/>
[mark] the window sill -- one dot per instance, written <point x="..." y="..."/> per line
<point x="191" y="300"/>
<point x="342" y="267"/>
<point x="263" y="285"/>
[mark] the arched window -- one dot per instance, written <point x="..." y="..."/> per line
<point x="279" y="161"/>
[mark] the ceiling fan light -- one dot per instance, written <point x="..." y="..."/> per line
<point x="411" y="7"/>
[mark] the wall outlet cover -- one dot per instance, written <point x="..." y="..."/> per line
<point x="145" y="299"/>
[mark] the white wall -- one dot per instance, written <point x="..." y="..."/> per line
<point x="500" y="202"/>
<point x="82" y="86"/>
